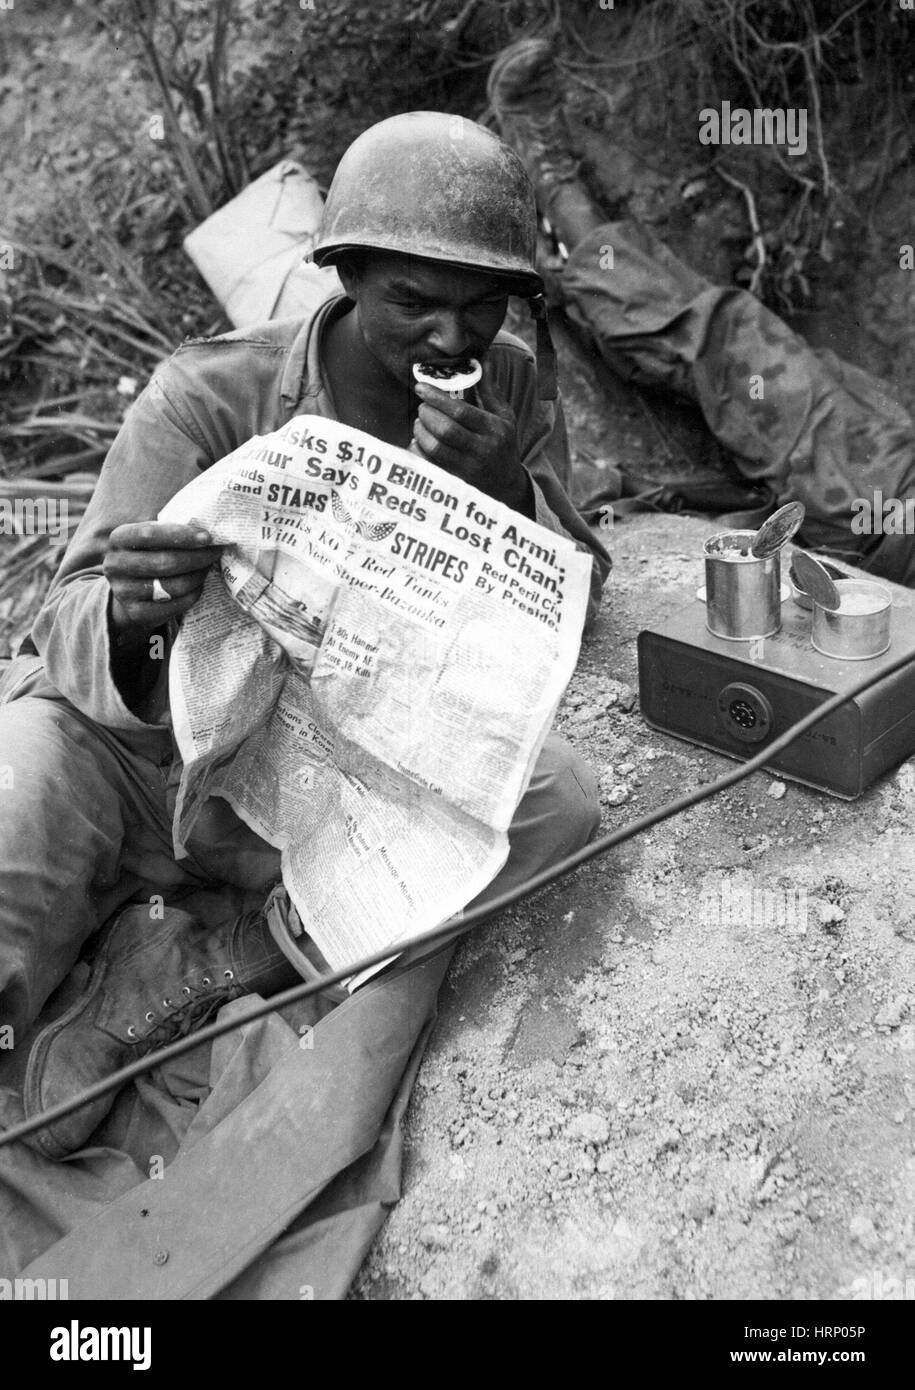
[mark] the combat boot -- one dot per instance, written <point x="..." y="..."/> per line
<point x="151" y="982"/>
<point x="526" y="90"/>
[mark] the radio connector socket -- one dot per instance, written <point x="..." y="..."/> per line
<point x="745" y="712"/>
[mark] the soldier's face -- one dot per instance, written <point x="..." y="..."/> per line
<point x="419" y="311"/>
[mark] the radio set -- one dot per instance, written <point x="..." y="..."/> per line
<point x="751" y="655"/>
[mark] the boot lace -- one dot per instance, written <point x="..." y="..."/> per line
<point x="191" y="1010"/>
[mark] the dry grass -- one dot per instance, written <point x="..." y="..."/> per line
<point x="28" y="560"/>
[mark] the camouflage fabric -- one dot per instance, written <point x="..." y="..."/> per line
<point x="812" y="427"/>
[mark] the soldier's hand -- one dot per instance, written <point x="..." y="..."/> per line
<point x="478" y="443"/>
<point x="175" y="557"/>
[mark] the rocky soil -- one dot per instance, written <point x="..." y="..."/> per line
<point x="630" y="1094"/>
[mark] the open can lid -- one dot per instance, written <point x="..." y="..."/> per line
<point x="777" y="530"/>
<point x="811" y="577"/>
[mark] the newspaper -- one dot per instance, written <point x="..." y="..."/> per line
<point x="369" y="674"/>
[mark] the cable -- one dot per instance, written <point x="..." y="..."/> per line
<point x="453" y="930"/>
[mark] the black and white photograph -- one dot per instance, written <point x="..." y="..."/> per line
<point x="457" y="668"/>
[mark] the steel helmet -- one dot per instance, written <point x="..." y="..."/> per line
<point x="436" y="186"/>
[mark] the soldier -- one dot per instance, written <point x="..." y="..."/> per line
<point x="430" y="221"/>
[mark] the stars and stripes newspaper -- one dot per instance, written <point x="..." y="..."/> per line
<point x="369" y="674"/>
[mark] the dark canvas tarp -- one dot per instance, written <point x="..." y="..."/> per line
<point x="272" y="1188"/>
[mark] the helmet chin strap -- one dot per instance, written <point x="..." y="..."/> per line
<point x="548" y="386"/>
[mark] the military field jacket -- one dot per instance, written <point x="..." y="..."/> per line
<point x="210" y="397"/>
